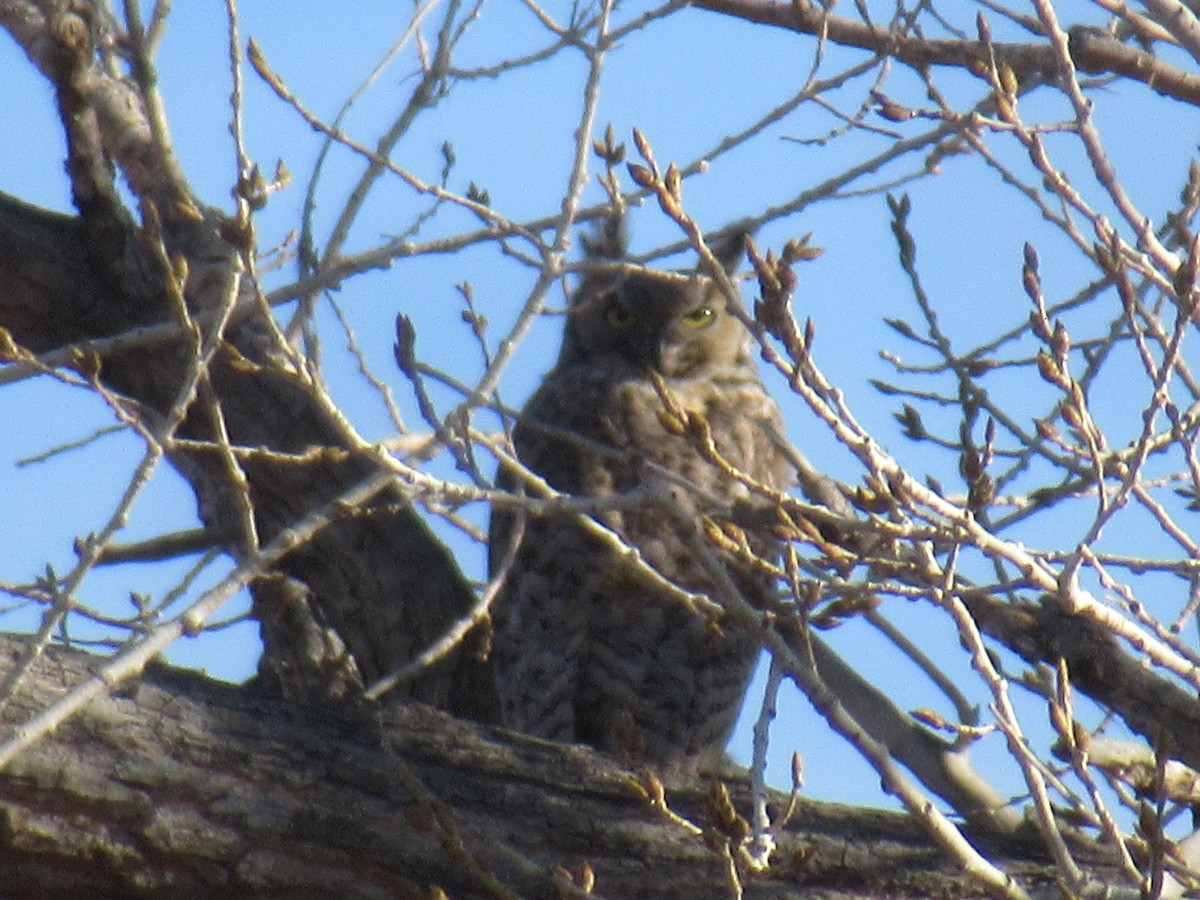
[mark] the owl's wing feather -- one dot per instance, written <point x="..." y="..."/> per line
<point x="540" y="628"/>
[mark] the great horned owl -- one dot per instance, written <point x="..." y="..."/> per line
<point x="585" y="647"/>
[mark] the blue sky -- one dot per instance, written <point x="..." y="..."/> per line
<point x="686" y="82"/>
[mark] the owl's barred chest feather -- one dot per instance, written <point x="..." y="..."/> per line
<point x="592" y="435"/>
<point x="630" y="451"/>
<point x="587" y="649"/>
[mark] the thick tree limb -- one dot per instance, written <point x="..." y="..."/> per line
<point x="1092" y="51"/>
<point x="1167" y="715"/>
<point x="377" y="586"/>
<point x="51" y="296"/>
<point x="185" y="787"/>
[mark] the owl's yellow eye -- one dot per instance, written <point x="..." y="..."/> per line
<point x="618" y="316"/>
<point x="700" y="317"/>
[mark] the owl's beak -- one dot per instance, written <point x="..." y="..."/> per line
<point x="661" y="356"/>
<point x="669" y="358"/>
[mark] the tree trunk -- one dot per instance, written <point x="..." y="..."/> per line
<point x="327" y="628"/>
<point x="185" y="787"/>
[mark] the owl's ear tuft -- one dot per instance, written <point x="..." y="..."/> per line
<point x="729" y="246"/>
<point x="607" y="243"/>
<point x="611" y="239"/>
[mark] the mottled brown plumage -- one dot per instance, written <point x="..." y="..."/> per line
<point x="585" y="647"/>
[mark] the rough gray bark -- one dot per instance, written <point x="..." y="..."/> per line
<point x="184" y="787"/>
<point x="66" y="280"/>
<point x="53" y="293"/>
